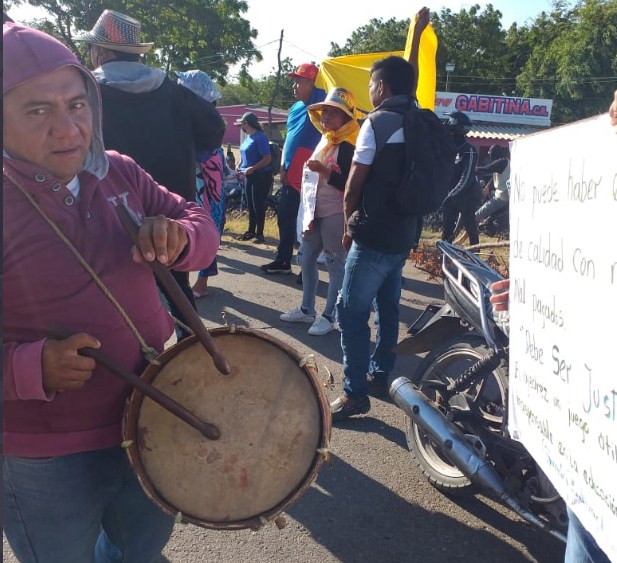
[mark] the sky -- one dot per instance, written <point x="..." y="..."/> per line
<point x="308" y="34"/>
<point x="310" y="26"/>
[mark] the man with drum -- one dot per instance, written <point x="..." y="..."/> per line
<point x="69" y="494"/>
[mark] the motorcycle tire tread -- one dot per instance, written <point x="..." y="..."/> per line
<point x="470" y="345"/>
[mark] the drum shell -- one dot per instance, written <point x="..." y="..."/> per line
<point x="275" y="426"/>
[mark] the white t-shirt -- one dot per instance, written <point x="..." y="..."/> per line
<point x="366" y="146"/>
<point x="74" y="186"/>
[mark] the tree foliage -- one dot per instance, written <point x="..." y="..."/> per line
<point x="476" y="43"/>
<point x="375" y="37"/>
<point x="568" y="54"/>
<point x="251" y="91"/>
<point x="573" y="59"/>
<point x="210" y="35"/>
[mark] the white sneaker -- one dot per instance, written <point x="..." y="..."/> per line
<point x="321" y="326"/>
<point x="297" y="315"/>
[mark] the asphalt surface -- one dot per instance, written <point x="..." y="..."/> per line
<point x="373" y="504"/>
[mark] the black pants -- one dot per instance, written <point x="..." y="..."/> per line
<point x="287" y="214"/>
<point x="258" y="187"/>
<point x="467" y="209"/>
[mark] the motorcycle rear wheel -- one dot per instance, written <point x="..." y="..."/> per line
<point x="488" y="397"/>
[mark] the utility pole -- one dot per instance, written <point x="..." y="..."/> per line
<point x="449" y="68"/>
<point x="276" y="86"/>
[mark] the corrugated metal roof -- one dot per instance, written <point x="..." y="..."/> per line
<point x="501" y="131"/>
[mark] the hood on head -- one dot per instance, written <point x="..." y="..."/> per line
<point x="200" y="83"/>
<point x="29" y="53"/>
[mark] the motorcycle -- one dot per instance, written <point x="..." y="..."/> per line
<point x="497" y="224"/>
<point x="235" y="197"/>
<point x="456" y="401"/>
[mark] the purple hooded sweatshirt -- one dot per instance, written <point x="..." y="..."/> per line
<point x="45" y="286"/>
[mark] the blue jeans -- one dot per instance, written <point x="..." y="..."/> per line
<point x="491" y="206"/>
<point x="287" y="215"/>
<point x="80" y="508"/>
<point x="369" y="275"/>
<point x="580" y="546"/>
<point x="327" y="235"/>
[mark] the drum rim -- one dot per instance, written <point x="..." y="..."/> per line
<point x="131" y="415"/>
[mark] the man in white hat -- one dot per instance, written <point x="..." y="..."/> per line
<point x="149" y="117"/>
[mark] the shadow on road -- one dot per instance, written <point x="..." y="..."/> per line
<point x="346" y="510"/>
<point x="371" y="425"/>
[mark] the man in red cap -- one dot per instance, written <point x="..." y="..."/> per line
<point x="301" y="140"/>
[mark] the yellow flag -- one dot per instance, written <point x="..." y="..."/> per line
<point x="427" y="65"/>
<point x="352" y="71"/>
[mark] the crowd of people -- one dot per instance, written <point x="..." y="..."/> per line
<point x="79" y="143"/>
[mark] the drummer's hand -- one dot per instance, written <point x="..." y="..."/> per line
<point x="160" y="238"/>
<point x="63" y="368"/>
<point x="501" y="294"/>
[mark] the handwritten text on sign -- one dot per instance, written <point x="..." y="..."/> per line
<point x="563" y="268"/>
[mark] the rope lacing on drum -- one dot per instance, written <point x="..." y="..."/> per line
<point x="308" y="360"/>
<point x="279" y="520"/>
<point x="148" y="351"/>
<point x="327" y="456"/>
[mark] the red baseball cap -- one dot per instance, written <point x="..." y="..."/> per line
<point x="306" y="70"/>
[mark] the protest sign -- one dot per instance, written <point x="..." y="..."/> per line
<point x="563" y="310"/>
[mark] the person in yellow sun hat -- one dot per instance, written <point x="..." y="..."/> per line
<point x="323" y="222"/>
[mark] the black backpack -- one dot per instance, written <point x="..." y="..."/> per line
<point x="275" y="155"/>
<point x="429" y="163"/>
<point x="430" y="153"/>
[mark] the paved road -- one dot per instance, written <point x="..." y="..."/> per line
<point x="373" y="505"/>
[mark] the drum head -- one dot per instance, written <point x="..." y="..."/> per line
<point x="272" y="416"/>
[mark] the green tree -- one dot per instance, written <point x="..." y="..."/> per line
<point x="475" y="42"/>
<point x="471" y="39"/>
<point x="210" y="35"/>
<point x="574" y="59"/>
<point x="375" y="37"/>
<point x="518" y="50"/>
<point x="259" y="91"/>
<point x="233" y="94"/>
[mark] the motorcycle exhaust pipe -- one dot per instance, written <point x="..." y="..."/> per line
<point x="455" y="446"/>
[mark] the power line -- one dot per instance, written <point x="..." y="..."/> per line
<point x="495" y="78"/>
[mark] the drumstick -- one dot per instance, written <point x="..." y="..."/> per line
<point x="183" y="304"/>
<point x="207" y="429"/>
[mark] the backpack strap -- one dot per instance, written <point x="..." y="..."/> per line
<point x="384" y="122"/>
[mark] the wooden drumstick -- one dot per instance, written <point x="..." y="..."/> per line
<point x="178" y="297"/>
<point x="207" y="429"/>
